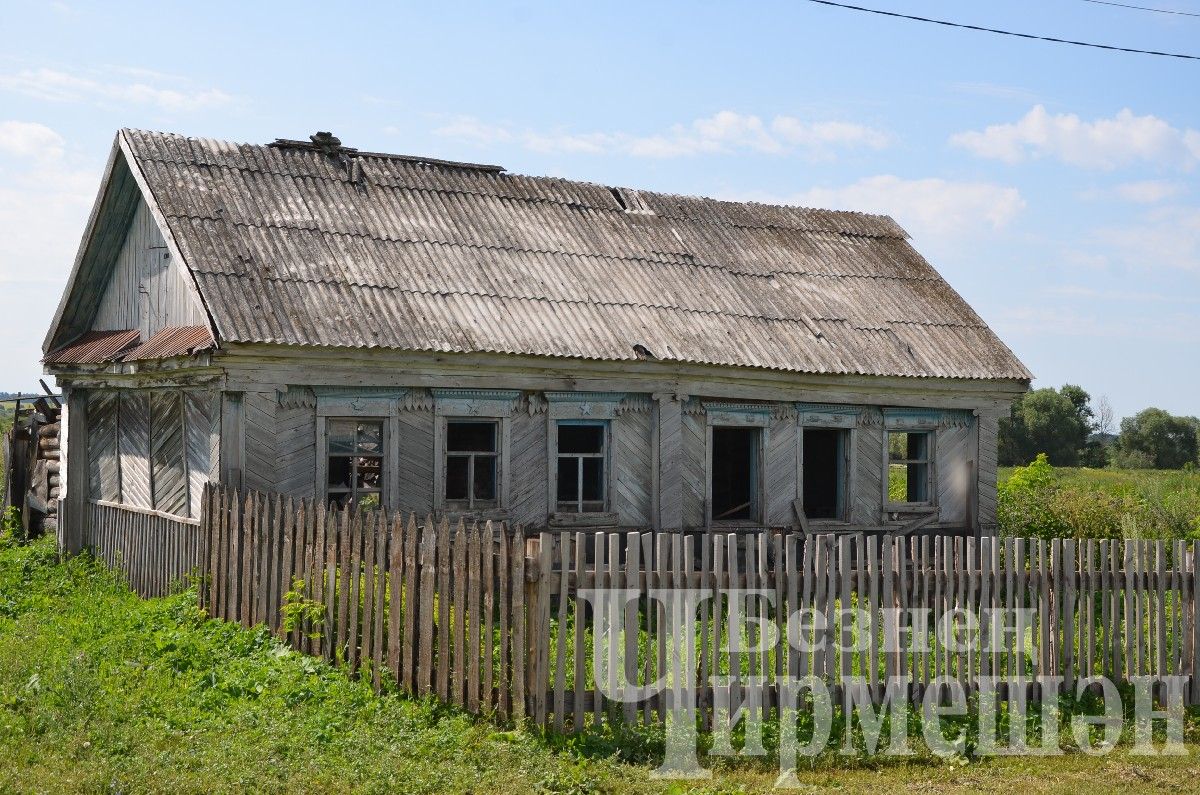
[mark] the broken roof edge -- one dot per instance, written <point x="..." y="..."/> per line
<point x="500" y="171"/>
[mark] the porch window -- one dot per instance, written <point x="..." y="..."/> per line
<point x="354" y="462"/>
<point x="736" y="474"/>
<point x="582" y="466"/>
<point x="472" y="464"/>
<point x="909" y="470"/>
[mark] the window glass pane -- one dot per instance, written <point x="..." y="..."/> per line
<point x="593" y="479"/>
<point x="568" y="479"/>
<point x="580" y="438"/>
<point x="471" y="437"/>
<point x="339" y="472"/>
<point x="370" y="437"/>
<point x="456" y="477"/>
<point x="485" y="477"/>
<point x="370" y="472"/>
<point x="341" y="435"/>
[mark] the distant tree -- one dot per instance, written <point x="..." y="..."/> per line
<point x="1050" y="421"/>
<point x="1105" y="417"/>
<point x="1158" y="438"/>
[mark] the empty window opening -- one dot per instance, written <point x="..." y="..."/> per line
<point x="581" y="467"/>
<point x="908" y="467"/>
<point x="735" y="474"/>
<point x="824" y="473"/>
<point x="472" y="474"/>
<point x="354" y="462"/>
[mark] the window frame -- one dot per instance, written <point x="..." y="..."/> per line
<point x="752" y="418"/>
<point x="847" y="442"/>
<point x="469" y="504"/>
<point x="605" y="456"/>
<point x="930" y="463"/>
<point x="384" y="456"/>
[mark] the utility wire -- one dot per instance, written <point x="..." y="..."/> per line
<point x="1004" y="32"/>
<point x="1144" y="8"/>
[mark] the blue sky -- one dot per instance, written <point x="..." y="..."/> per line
<point x="1055" y="187"/>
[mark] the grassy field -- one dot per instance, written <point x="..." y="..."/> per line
<point x="1099" y="503"/>
<point x="101" y="691"/>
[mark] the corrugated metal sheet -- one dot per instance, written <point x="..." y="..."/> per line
<point x="95" y="347"/>
<point x="285" y="248"/>
<point x="172" y="341"/>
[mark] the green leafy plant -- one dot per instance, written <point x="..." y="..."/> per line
<point x="301" y="612"/>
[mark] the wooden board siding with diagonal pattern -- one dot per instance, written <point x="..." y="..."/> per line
<point x="416" y="461"/>
<point x="988" y="429"/>
<point x="169" y="485"/>
<point x="633" y="468"/>
<point x="868" y="485"/>
<point x="527" y="460"/>
<point x="202" y="426"/>
<point x="953" y="451"/>
<point x="781" y="483"/>
<point x="692" y="457"/>
<point x="296" y="450"/>
<point x="133" y="446"/>
<point x="103" y="469"/>
<point x="259" y="417"/>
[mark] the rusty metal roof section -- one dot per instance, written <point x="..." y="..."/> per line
<point x="95" y="347"/>
<point x="320" y="244"/>
<point x="172" y="341"/>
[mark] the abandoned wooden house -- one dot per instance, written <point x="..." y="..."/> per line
<point x="308" y="319"/>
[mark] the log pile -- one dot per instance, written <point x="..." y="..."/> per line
<point x="32" y="462"/>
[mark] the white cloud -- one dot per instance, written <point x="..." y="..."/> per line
<point x="1147" y="191"/>
<point x="58" y="86"/>
<point x="929" y="208"/>
<point x="722" y="132"/>
<point x="30" y="139"/>
<point x="1164" y="237"/>
<point x="1106" y="143"/>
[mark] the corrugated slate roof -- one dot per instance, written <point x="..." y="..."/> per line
<point x="292" y="245"/>
<point x="95" y="347"/>
<point x="172" y="341"/>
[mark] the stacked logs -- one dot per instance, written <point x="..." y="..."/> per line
<point x="32" y="464"/>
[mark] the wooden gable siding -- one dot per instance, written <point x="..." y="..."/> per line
<point x="953" y="450"/>
<point x="528" y="462"/>
<point x="133" y="445"/>
<point x="258" y="418"/>
<point x="692" y="458"/>
<point x="201" y="418"/>
<point x="782" y="481"/>
<point x="145" y="289"/>
<point x="168" y="481"/>
<point x="867" y="499"/>
<point x="103" y="471"/>
<point x="988" y="429"/>
<point x="296" y="450"/>
<point x="416" y="465"/>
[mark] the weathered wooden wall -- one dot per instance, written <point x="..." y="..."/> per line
<point x="146" y="289"/>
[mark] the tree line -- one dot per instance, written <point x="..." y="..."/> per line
<point x="1072" y="431"/>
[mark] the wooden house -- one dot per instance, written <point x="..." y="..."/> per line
<point x="309" y="319"/>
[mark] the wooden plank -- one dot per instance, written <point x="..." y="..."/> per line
<point x="341" y="654"/>
<point x="519" y="647"/>
<point x="458" y="629"/>
<point x="633" y="543"/>
<point x="541" y="681"/>
<point x="720" y="584"/>
<point x="395" y="586"/>
<point x="704" y="701"/>
<point x="473" y="619"/>
<point x="332" y="542"/>
<point x="845" y="564"/>
<point x="662" y="565"/>
<point x="1160" y="608"/>
<point x="369" y="524"/>
<point x="354" y="627"/>
<point x="285" y="521"/>
<point x="504" y="572"/>
<point x="1194" y="572"/>
<point x="600" y="582"/>
<point x="874" y="583"/>
<point x="445" y="589"/>
<point x="616" y="582"/>
<point x="428" y="573"/>
<point x="381" y="570"/>
<point x="580" y="655"/>
<point x="487" y="565"/>
<point x="1067" y="656"/>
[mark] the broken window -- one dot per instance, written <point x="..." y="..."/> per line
<point x="581" y="466"/>
<point x="472" y="464"/>
<point x="825" y="472"/>
<point x="734" y="484"/>
<point x="909" y="472"/>
<point x="354" y="462"/>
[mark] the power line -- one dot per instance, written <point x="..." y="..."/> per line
<point x="1144" y="8"/>
<point x="1005" y="32"/>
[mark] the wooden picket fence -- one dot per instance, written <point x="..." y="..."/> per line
<point x="486" y="617"/>
<point x="155" y="552"/>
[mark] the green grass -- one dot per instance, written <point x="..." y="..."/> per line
<point x="1103" y="503"/>
<point x="102" y="691"/>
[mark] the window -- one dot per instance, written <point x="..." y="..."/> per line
<point x="734" y="484"/>
<point x="354" y="465"/>
<point x="825" y="472"/>
<point x="909" y="472"/>
<point x="582" y="465"/>
<point x="472" y="464"/>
